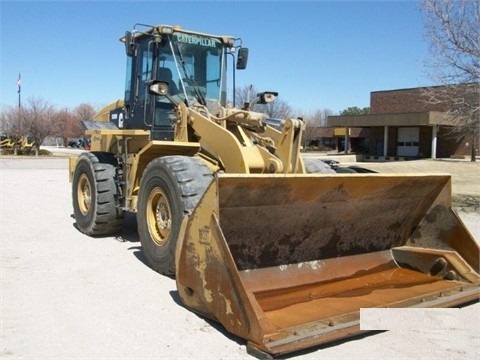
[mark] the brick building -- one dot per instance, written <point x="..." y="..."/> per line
<point x="329" y="138"/>
<point x="402" y="123"/>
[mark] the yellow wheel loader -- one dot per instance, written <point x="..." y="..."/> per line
<point x="6" y="142"/>
<point x="26" y="142"/>
<point x="282" y="251"/>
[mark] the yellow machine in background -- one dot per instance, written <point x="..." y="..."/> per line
<point x="6" y="142"/>
<point x="24" y="142"/>
<point x="282" y="251"/>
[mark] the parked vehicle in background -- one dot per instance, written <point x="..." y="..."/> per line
<point x="77" y="143"/>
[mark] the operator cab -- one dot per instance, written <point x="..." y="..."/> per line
<point x="193" y="64"/>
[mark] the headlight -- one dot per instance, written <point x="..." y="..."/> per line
<point x="166" y="30"/>
<point x="267" y="97"/>
<point x="158" y="88"/>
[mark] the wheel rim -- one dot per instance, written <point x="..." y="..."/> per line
<point x="84" y="194"/>
<point x="159" y="216"/>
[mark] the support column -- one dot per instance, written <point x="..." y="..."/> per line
<point x="347" y="142"/>
<point x="434" y="141"/>
<point x="385" y="140"/>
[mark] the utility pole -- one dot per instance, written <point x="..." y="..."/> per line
<point x="19" y="91"/>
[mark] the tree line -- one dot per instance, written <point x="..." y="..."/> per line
<point x="39" y="119"/>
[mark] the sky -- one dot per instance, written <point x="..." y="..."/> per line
<point x="315" y="54"/>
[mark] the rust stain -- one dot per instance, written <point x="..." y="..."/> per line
<point x="290" y="260"/>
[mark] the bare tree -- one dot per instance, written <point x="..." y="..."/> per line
<point x="36" y="120"/>
<point x="244" y="94"/>
<point x="313" y="123"/>
<point x="453" y="31"/>
<point x="84" y="111"/>
<point x="68" y="124"/>
<point x="278" y="109"/>
<point x="12" y="122"/>
<point x="318" y="118"/>
<point x="41" y="120"/>
<point x="311" y="133"/>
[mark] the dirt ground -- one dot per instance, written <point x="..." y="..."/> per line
<point x="65" y="295"/>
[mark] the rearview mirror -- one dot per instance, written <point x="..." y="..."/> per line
<point x="242" y="58"/>
<point x="129" y="44"/>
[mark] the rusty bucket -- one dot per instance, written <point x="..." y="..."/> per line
<point x="287" y="261"/>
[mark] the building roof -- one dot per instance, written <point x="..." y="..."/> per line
<point x="408" y="119"/>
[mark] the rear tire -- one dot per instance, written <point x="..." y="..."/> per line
<point x="170" y="189"/>
<point x="93" y="194"/>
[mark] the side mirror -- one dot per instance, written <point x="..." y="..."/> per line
<point x="129" y="44"/>
<point x="242" y="58"/>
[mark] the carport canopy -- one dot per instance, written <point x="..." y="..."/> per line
<point x="407" y="119"/>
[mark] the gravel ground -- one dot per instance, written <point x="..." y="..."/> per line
<point x="465" y="178"/>
<point x="68" y="296"/>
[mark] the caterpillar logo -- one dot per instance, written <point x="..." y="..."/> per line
<point x="196" y="40"/>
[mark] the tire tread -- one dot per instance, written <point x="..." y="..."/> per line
<point x="108" y="219"/>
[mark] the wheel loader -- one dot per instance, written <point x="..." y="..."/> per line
<point x="281" y="250"/>
<point x="6" y="142"/>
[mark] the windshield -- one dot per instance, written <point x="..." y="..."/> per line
<point x="195" y="65"/>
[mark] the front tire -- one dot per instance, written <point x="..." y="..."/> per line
<point x="93" y="194"/>
<point x="170" y="189"/>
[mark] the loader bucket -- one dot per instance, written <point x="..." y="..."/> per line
<point x="287" y="261"/>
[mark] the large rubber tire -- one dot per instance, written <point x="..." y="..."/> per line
<point x="315" y="166"/>
<point x="344" y="170"/>
<point x="93" y="194"/>
<point x="170" y="188"/>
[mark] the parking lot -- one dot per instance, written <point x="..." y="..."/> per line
<point x="68" y="296"/>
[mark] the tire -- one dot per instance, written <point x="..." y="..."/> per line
<point x="344" y="170"/>
<point x="363" y="170"/>
<point x="170" y="188"/>
<point x="315" y="166"/>
<point x="93" y="194"/>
